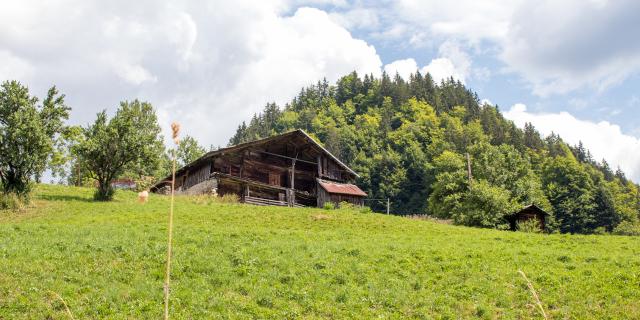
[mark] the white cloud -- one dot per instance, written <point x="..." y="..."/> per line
<point x="555" y="46"/>
<point x="208" y="65"/>
<point x="441" y="68"/>
<point x="15" y="67"/>
<point x="604" y="139"/>
<point x="452" y="62"/>
<point x="404" y="68"/>
<point x="474" y="21"/>
<point x="357" y="18"/>
<point x="563" y="46"/>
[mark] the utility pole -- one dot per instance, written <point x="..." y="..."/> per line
<point x="469" y="169"/>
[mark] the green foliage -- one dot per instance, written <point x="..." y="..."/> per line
<point x="12" y="201"/>
<point x="130" y="141"/>
<point x="627" y="228"/>
<point x="207" y="199"/>
<point x="28" y="134"/>
<point x="408" y="140"/>
<point x="329" y="206"/>
<point x="450" y="185"/>
<point x="188" y="151"/>
<point x="243" y="262"/>
<point x="570" y="190"/>
<point x="529" y="226"/>
<point x="485" y="205"/>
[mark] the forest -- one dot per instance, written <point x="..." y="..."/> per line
<point x="431" y="148"/>
<point x="409" y="141"/>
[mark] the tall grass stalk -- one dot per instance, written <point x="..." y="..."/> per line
<point x="175" y="127"/>
<point x="534" y="293"/>
<point x="64" y="304"/>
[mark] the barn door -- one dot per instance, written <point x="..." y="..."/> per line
<point x="274" y="179"/>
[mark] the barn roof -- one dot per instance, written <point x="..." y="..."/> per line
<point x="298" y="133"/>
<point x="341" y="188"/>
<point x="532" y="207"/>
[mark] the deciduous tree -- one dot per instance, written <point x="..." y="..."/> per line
<point x="131" y="139"/>
<point x="28" y="134"/>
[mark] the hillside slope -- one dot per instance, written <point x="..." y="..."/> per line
<point x="414" y="142"/>
<point x="235" y="261"/>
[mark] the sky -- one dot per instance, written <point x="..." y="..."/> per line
<point x="570" y="67"/>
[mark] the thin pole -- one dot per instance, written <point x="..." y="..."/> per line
<point x="469" y="169"/>
<point x="168" y="271"/>
<point x="388" y="205"/>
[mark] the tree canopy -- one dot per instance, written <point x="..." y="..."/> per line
<point x="408" y="140"/>
<point x="130" y="141"/>
<point x="29" y="134"/>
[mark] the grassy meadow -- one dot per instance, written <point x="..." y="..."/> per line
<point x="243" y="262"/>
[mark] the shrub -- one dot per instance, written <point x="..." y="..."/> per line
<point x="346" y="205"/>
<point x="208" y="199"/>
<point x="329" y="206"/>
<point x="627" y="228"/>
<point x="104" y="194"/>
<point x="529" y="226"/>
<point x="11" y="201"/>
<point x="365" y="209"/>
<point x="228" y="198"/>
<point x="144" y="183"/>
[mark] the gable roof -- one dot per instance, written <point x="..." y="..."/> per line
<point x="532" y="207"/>
<point x="298" y="132"/>
<point x="341" y="188"/>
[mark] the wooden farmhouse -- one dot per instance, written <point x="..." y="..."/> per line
<point x="290" y="169"/>
<point x="530" y="212"/>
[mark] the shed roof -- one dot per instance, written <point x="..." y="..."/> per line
<point x="341" y="188"/>
<point x="532" y="207"/>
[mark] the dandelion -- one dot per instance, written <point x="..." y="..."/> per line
<point x="143" y="196"/>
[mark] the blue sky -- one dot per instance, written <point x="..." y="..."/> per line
<point x="571" y="67"/>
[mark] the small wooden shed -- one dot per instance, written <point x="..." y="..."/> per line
<point x="335" y="192"/>
<point x="530" y="212"/>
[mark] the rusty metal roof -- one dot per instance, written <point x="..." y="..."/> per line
<point x="341" y="188"/>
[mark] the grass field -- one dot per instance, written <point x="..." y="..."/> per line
<point x="235" y="261"/>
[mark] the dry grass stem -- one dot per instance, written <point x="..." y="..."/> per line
<point x="63" y="303"/>
<point x="175" y="127"/>
<point x="534" y="293"/>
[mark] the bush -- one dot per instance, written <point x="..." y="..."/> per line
<point x="627" y="228"/>
<point x="365" y="209"/>
<point x="104" y="194"/>
<point x="11" y="201"/>
<point x="346" y="205"/>
<point x="144" y="183"/>
<point x="529" y="226"/>
<point x="208" y="199"/>
<point x="329" y="206"/>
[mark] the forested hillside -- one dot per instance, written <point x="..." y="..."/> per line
<point x="409" y="139"/>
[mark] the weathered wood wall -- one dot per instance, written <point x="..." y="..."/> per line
<point x="324" y="197"/>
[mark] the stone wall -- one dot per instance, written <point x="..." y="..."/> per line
<point x="205" y="187"/>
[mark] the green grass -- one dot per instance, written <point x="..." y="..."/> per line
<point x="235" y="261"/>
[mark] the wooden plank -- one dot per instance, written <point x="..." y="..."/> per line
<point x="286" y="157"/>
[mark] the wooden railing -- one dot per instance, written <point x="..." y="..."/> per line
<point x="268" y="202"/>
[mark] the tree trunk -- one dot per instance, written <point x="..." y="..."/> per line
<point x="12" y="183"/>
<point x="105" y="191"/>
